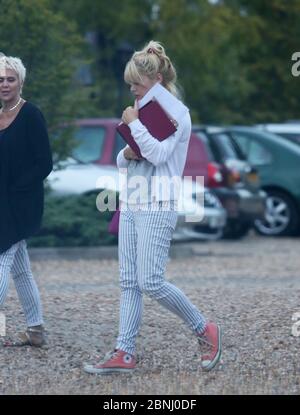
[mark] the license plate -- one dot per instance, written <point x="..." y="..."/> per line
<point x="252" y="178"/>
<point x="216" y="222"/>
<point x="231" y="205"/>
<point x="213" y="222"/>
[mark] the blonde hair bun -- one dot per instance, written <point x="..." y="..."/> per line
<point x="150" y="61"/>
<point x="155" y="47"/>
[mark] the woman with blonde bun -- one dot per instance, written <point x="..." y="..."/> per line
<point x="147" y="223"/>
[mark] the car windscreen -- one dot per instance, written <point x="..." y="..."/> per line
<point x="295" y="138"/>
<point x="89" y="142"/>
<point x="119" y="144"/>
<point x="203" y="137"/>
<point x="227" y="147"/>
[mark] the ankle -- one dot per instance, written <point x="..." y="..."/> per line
<point x="201" y="331"/>
<point x="39" y="327"/>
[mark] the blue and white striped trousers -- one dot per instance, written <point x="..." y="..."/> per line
<point x="16" y="261"/>
<point x="144" y="242"/>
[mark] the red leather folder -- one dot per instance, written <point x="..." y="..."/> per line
<point x="155" y="119"/>
<point x="113" y="226"/>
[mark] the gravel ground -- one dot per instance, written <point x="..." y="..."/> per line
<point x="251" y="287"/>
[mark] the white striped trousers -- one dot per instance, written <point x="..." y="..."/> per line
<point x="144" y="242"/>
<point x="16" y="261"/>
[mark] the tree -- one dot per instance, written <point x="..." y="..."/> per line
<point x="112" y="26"/>
<point x="234" y="57"/>
<point x="48" y="44"/>
<point x="267" y="57"/>
<point x="200" y="38"/>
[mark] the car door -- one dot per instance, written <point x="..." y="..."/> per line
<point x="197" y="159"/>
<point x="256" y="152"/>
<point x="235" y="159"/>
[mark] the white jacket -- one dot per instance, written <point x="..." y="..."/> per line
<point x="163" y="158"/>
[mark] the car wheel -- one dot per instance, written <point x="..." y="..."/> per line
<point x="236" y="230"/>
<point x="281" y="216"/>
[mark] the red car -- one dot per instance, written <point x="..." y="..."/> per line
<point x="99" y="142"/>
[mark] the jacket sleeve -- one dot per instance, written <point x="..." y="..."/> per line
<point x="156" y="152"/>
<point x="122" y="162"/>
<point x="40" y="148"/>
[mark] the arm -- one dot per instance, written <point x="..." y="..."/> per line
<point x="125" y="155"/>
<point x="122" y="162"/>
<point x="157" y="152"/>
<point x="41" y="152"/>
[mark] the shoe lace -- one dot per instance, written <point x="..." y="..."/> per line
<point x="110" y="356"/>
<point x="203" y="340"/>
<point x="206" y="346"/>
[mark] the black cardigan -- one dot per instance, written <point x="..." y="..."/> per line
<point x="25" y="161"/>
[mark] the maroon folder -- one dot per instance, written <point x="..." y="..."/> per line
<point x="155" y="119"/>
<point x="113" y="226"/>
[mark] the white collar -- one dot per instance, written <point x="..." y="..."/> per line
<point x="172" y="105"/>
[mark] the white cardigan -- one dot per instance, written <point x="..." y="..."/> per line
<point x="163" y="158"/>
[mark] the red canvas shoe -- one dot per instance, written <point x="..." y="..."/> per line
<point x="114" y="362"/>
<point x="211" y="338"/>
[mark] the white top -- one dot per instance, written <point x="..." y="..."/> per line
<point x="165" y="159"/>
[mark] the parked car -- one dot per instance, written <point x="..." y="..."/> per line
<point x="98" y="142"/>
<point x="278" y="163"/>
<point x="233" y="180"/>
<point x="290" y="131"/>
<point x="87" y="178"/>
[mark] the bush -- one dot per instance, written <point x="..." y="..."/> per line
<point x="73" y="221"/>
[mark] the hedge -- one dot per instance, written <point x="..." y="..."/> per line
<point x="73" y="221"/>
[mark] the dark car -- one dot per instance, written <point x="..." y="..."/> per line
<point x="278" y="163"/>
<point x="234" y="181"/>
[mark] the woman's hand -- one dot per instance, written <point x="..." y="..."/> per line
<point x="130" y="114"/>
<point x="129" y="154"/>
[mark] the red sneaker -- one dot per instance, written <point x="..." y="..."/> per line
<point x="211" y="338"/>
<point x="116" y="361"/>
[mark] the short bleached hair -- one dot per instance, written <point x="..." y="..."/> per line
<point x="10" y="62"/>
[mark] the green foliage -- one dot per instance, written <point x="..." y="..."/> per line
<point x="233" y="56"/>
<point x="73" y="221"/>
<point x="267" y="57"/>
<point x="233" y="59"/>
<point x="51" y="48"/>
<point x="199" y="39"/>
<point x="110" y="24"/>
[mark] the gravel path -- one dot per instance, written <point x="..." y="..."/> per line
<point x="251" y="287"/>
